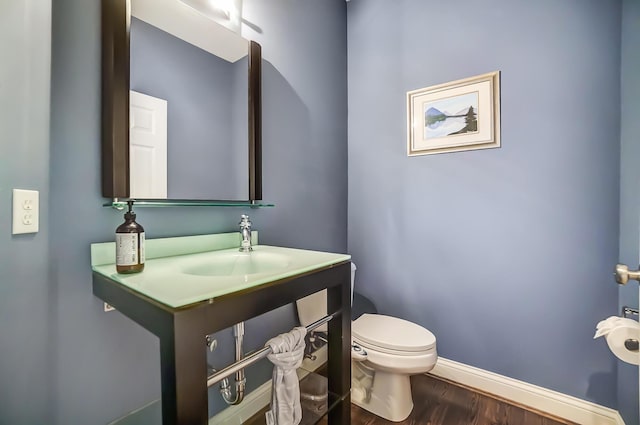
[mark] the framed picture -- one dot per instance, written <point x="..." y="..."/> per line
<point x="456" y="116"/>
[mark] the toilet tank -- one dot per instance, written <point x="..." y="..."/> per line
<point x="314" y="307"/>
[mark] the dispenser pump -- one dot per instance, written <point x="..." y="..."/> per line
<point x="130" y="244"/>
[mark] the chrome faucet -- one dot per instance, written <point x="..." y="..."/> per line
<point x="245" y="232"/>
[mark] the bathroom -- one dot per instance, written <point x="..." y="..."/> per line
<point x="504" y="254"/>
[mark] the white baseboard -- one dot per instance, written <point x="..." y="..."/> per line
<point x="257" y="399"/>
<point x="542" y="399"/>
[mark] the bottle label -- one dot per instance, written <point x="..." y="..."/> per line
<point x="127" y="249"/>
<point x="141" y="247"/>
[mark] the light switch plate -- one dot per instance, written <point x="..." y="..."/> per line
<point x="26" y="211"/>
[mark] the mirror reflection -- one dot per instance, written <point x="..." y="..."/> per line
<point x="188" y="105"/>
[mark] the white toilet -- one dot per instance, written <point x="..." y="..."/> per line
<point x="387" y="351"/>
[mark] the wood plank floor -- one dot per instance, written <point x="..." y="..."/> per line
<point x="440" y="402"/>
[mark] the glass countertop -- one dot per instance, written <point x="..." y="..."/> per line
<point x="186" y="270"/>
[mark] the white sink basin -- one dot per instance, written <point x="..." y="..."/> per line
<point x="239" y="264"/>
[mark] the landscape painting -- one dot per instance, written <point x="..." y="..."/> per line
<point x="452" y="116"/>
<point x="455" y="116"/>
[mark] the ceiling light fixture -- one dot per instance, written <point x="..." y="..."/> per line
<point x="225" y="12"/>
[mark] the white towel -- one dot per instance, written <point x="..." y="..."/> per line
<point x="287" y="352"/>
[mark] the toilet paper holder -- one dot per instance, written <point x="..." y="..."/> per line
<point x="628" y="311"/>
<point x="631" y="344"/>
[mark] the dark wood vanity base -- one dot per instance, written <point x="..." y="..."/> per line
<point x="182" y="334"/>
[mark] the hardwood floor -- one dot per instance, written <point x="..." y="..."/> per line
<point x="440" y="402"/>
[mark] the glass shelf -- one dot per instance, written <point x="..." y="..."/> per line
<point x="315" y="402"/>
<point x="122" y="204"/>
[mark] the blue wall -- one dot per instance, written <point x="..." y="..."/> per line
<point x="505" y="254"/>
<point x="103" y="364"/>
<point x="25" y="306"/>
<point x="206" y="158"/>
<point x="442" y="240"/>
<point x="629" y="183"/>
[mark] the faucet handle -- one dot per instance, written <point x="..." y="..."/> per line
<point x="244" y="221"/>
<point x="245" y="233"/>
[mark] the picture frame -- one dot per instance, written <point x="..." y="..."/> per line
<point x="455" y="116"/>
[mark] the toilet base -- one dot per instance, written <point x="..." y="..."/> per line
<point x="389" y="397"/>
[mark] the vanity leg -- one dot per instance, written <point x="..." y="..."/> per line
<point x="339" y="363"/>
<point x="183" y="362"/>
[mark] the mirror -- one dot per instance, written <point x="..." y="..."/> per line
<point x="181" y="105"/>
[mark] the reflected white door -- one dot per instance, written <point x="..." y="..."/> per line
<point x="147" y="146"/>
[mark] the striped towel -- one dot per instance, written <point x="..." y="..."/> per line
<point x="287" y="352"/>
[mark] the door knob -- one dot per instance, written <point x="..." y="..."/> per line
<point x="623" y="274"/>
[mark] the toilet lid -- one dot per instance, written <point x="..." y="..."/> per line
<point x="392" y="333"/>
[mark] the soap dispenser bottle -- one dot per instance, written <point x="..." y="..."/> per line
<point x="129" y="244"/>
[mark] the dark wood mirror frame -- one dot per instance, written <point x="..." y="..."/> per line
<point x="116" y="21"/>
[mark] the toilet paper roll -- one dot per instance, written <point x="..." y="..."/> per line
<point x="605" y="326"/>
<point x="618" y="335"/>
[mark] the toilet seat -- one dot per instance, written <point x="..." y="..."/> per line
<point x="392" y="335"/>
<point x="404" y="363"/>
<point x="398" y="353"/>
